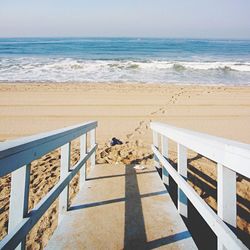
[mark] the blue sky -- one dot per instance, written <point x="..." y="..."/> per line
<point x="122" y="18"/>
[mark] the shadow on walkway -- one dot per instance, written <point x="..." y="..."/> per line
<point x="134" y="225"/>
<point x="135" y="234"/>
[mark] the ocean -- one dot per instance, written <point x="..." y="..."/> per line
<point x="125" y="60"/>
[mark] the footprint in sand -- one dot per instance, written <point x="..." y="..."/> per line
<point x="137" y="129"/>
<point x="47" y="158"/>
<point x="129" y="136"/>
<point x="172" y="100"/>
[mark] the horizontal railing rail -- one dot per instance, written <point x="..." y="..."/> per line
<point x="231" y="157"/>
<point x="233" y="154"/>
<point x="17" y="153"/>
<point x="15" y="158"/>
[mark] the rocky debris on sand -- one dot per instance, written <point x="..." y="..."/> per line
<point x="129" y="152"/>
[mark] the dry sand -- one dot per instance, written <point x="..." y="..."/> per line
<point x="122" y="111"/>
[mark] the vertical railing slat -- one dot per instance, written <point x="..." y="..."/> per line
<point x="19" y="198"/>
<point x="164" y="148"/>
<point x="226" y="197"/>
<point x="65" y="167"/>
<point x="83" y="151"/>
<point x="156" y="144"/>
<point x="182" y="170"/>
<point x="20" y="221"/>
<point x="92" y="144"/>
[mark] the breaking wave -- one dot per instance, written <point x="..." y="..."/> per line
<point x="41" y="69"/>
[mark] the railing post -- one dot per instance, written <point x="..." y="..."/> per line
<point x="226" y="197"/>
<point x="65" y="167"/>
<point x="83" y="151"/>
<point x="164" y="148"/>
<point x="92" y="144"/>
<point x="182" y="170"/>
<point x="156" y="144"/>
<point x="19" y="198"/>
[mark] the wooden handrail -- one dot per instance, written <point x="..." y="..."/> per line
<point x="231" y="157"/>
<point x="16" y="157"/>
<point x="16" y="153"/>
<point x="232" y="154"/>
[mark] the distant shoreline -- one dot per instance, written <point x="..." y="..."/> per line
<point x="37" y="83"/>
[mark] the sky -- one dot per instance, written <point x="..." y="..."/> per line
<point x="229" y="19"/>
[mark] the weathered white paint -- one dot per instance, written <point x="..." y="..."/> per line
<point x="65" y="167"/>
<point x="92" y="143"/>
<point x="226" y="196"/>
<point x="231" y="157"/>
<point x="226" y="236"/>
<point x="23" y="228"/>
<point x="233" y="154"/>
<point x="164" y="151"/>
<point x="17" y="153"/>
<point x="83" y="151"/>
<point x="21" y="222"/>
<point x="156" y="144"/>
<point x="19" y="198"/>
<point x="182" y="170"/>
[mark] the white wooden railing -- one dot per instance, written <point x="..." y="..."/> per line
<point x="15" y="158"/>
<point x="232" y="157"/>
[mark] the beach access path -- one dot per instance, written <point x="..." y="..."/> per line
<point x="120" y="207"/>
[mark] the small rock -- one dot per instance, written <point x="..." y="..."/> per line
<point x="101" y="161"/>
<point x="103" y="154"/>
<point x="123" y="153"/>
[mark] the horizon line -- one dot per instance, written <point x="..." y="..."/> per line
<point x="128" y="37"/>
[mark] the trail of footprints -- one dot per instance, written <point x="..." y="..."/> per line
<point x="162" y="110"/>
<point x="143" y="125"/>
<point x="174" y="98"/>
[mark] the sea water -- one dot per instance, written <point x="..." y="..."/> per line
<point x="125" y="60"/>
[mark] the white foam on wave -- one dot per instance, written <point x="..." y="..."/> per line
<point x="79" y="70"/>
<point x="243" y="67"/>
<point x="237" y="66"/>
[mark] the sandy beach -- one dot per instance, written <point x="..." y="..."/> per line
<point x="123" y="111"/>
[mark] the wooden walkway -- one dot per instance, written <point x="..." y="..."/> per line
<point x="121" y="208"/>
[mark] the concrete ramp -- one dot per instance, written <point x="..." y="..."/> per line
<point x="121" y="208"/>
